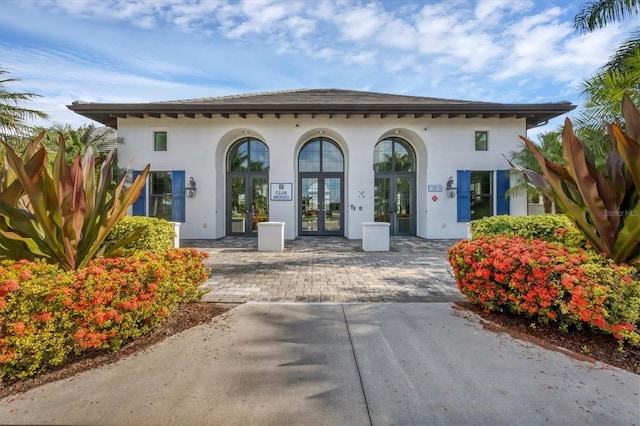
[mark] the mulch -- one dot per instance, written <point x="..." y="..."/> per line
<point x="586" y="344"/>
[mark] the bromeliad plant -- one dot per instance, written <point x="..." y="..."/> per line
<point x="61" y="213"/>
<point x="604" y="206"/>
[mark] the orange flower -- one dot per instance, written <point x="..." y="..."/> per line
<point x="19" y="328"/>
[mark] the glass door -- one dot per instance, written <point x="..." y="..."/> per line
<point x="259" y="202"/>
<point x="309" y="205"/>
<point x="403" y="208"/>
<point x="332" y="205"/>
<point x="394" y="202"/>
<point x="238" y="202"/>
<point x="249" y="204"/>
<point x="321" y="205"/>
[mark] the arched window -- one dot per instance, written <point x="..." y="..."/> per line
<point x="393" y="155"/>
<point x="248" y="155"/>
<point x="321" y="155"/>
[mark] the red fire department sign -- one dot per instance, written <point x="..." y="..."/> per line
<point x="434" y="198"/>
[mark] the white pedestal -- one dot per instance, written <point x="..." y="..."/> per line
<point x="176" y="239"/>
<point x="375" y="236"/>
<point x="271" y="236"/>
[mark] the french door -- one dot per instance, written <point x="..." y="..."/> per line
<point x="321" y="208"/>
<point x="394" y="202"/>
<point x="248" y="203"/>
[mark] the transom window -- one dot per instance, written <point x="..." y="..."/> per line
<point x="248" y="155"/>
<point x="321" y="155"/>
<point x="393" y="155"/>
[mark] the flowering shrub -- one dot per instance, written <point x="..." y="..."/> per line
<point x="548" y="282"/>
<point x="46" y="314"/>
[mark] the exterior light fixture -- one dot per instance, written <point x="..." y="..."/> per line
<point x="191" y="188"/>
<point x="451" y="189"/>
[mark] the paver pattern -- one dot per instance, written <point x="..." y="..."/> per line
<point x="328" y="269"/>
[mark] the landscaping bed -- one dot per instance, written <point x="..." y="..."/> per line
<point x="587" y="345"/>
<point x="182" y="318"/>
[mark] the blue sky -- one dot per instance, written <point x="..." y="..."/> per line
<point x="511" y="51"/>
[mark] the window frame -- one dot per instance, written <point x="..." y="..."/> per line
<point x="479" y="147"/>
<point x="156" y="133"/>
<point x="144" y="204"/>
<point x="163" y="197"/>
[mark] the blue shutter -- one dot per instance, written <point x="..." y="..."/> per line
<point x="140" y="205"/>
<point x="464" y="195"/>
<point x="177" y="196"/>
<point x="502" y="185"/>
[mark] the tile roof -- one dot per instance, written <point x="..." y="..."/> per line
<point x="318" y="96"/>
<point x="320" y="101"/>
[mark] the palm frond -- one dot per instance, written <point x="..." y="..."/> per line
<point x="598" y="14"/>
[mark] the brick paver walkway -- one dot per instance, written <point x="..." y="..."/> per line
<point x="328" y="269"/>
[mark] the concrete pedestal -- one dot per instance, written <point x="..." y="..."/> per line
<point x="375" y="236"/>
<point x="176" y="238"/>
<point x="271" y="236"/>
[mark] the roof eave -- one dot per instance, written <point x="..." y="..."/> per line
<point x="107" y="114"/>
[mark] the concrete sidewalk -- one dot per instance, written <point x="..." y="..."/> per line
<point x="312" y="364"/>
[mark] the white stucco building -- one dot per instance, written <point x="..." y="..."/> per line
<point x="322" y="161"/>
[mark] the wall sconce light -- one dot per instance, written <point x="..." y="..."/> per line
<point x="451" y="189"/>
<point x="191" y="188"/>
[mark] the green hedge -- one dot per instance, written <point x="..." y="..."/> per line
<point x="158" y="235"/>
<point x="551" y="228"/>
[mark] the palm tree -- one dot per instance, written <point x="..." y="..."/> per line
<point x="12" y="116"/>
<point x="618" y="76"/>
<point x="100" y="139"/>
<point x="598" y="14"/>
<point x="551" y="145"/>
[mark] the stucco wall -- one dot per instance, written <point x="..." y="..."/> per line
<point x="442" y="147"/>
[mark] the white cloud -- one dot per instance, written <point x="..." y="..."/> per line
<point x="494" y="50"/>
<point x="360" y="23"/>
<point x="397" y="33"/>
<point x="492" y="11"/>
<point x="456" y="39"/>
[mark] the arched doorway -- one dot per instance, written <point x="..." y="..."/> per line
<point x="247" y="186"/>
<point x="394" y="165"/>
<point x="320" y="188"/>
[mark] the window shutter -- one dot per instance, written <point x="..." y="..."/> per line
<point x="464" y="195"/>
<point x="502" y="185"/>
<point x="140" y="205"/>
<point x="178" y="196"/>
